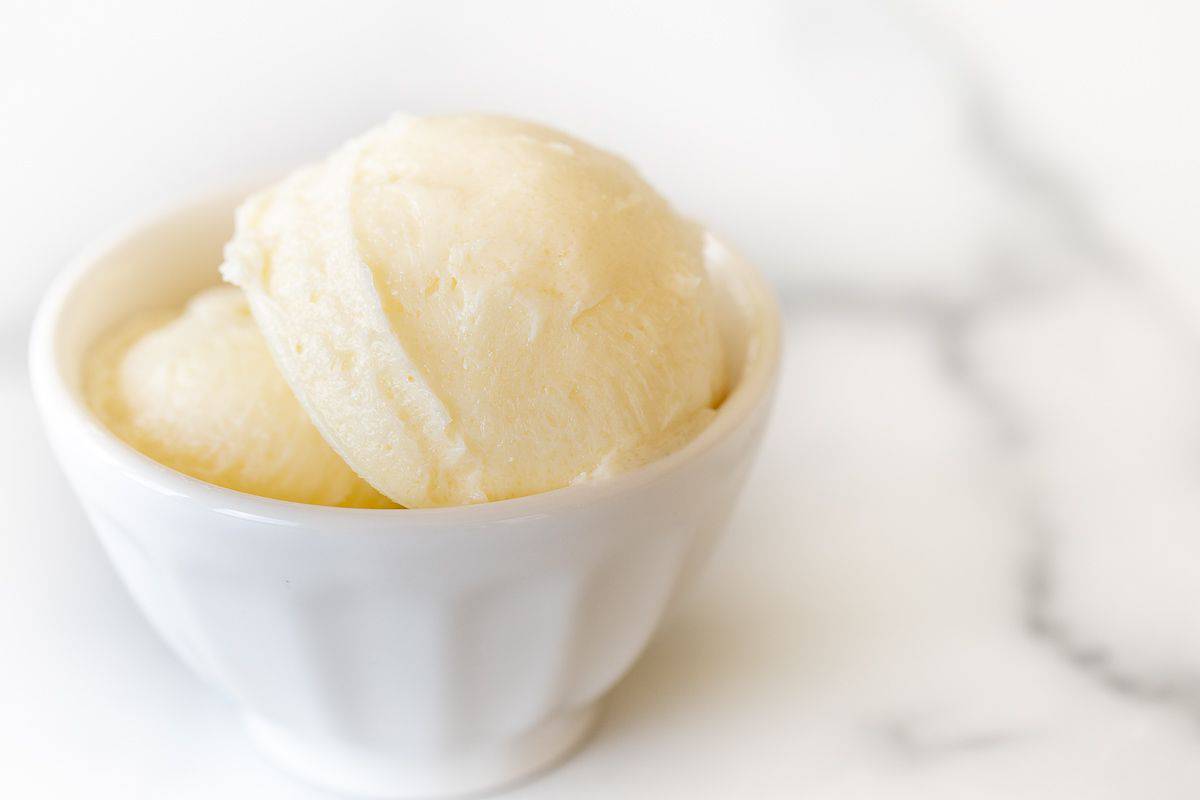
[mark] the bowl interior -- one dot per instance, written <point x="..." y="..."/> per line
<point x="163" y="260"/>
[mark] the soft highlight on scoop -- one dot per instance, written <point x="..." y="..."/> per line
<point x="473" y="308"/>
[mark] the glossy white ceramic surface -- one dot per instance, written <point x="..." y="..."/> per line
<point x="396" y="653"/>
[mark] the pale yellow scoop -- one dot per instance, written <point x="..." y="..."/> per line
<point x="197" y="390"/>
<point x="474" y="308"/>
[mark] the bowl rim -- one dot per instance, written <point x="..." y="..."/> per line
<point x="62" y="406"/>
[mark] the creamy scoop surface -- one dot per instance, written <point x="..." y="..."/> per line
<point x="196" y="389"/>
<point x="450" y="310"/>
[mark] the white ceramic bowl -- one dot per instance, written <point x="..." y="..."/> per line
<point x="394" y="653"/>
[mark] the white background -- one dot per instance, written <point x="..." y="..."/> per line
<point x="824" y="137"/>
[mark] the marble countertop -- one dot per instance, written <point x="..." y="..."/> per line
<point x="968" y="560"/>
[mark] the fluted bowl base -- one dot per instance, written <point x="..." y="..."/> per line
<point x="363" y="773"/>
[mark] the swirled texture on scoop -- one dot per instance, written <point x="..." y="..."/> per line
<point x="198" y="391"/>
<point x="475" y="308"/>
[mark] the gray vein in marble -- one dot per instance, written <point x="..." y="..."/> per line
<point x="1084" y="233"/>
<point x="1038" y="183"/>
<point x="1011" y="276"/>
<point x="1096" y="661"/>
<point x="915" y="741"/>
<point x="1036" y="180"/>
